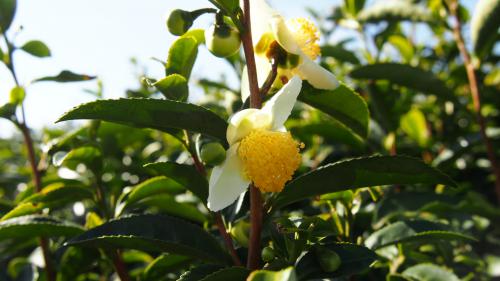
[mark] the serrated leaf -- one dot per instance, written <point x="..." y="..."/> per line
<point x="413" y="231"/>
<point x="185" y="175"/>
<point x="405" y="75"/>
<point x="163" y="115"/>
<point x="35" y="226"/>
<point x="360" y="172"/>
<point x="66" y="76"/>
<point x="36" y="48"/>
<point x="154" y="233"/>
<point x="429" y="272"/>
<point x="414" y="125"/>
<point x="164" y="264"/>
<point x="7" y="12"/>
<point x="394" y="10"/>
<point x="354" y="259"/>
<point x="182" y="56"/>
<point x="484" y="26"/>
<point x="342" y="103"/>
<point x="339" y="53"/>
<point x="173" y="87"/>
<point x="287" y="274"/>
<point x="199" y="272"/>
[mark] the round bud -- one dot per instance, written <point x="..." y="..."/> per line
<point x="328" y="260"/>
<point x="267" y="254"/>
<point x="222" y="40"/>
<point x="213" y="153"/>
<point x="179" y="22"/>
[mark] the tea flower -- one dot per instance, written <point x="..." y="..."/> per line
<point x="297" y="39"/>
<point x="261" y="150"/>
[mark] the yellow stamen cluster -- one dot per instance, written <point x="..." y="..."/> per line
<point x="306" y="34"/>
<point x="269" y="158"/>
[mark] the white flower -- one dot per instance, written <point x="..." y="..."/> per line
<point x="298" y="37"/>
<point x="261" y="150"/>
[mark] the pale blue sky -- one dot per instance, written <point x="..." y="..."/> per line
<point x="98" y="37"/>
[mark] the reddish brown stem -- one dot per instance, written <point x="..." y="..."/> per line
<point x="256" y="208"/>
<point x="227" y="239"/>
<point x="119" y="265"/>
<point x="476" y="98"/>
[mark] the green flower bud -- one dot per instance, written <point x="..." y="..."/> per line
<point x="267" y="254"/>
<point x="17" y="95"/>
<point x="222" y="40"/>
<point x="213" y="153"/>
<point x="179" y="22"/>
<point x="328" y="260"/>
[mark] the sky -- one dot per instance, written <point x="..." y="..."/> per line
<point x="99" y="37"/>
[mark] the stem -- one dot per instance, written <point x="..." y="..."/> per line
<point x="119" y="265"/>
<point x="476" y="98"/>
<point x="270" y="78"/>
<point x="256" y="207"/>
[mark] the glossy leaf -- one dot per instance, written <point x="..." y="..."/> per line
<point x="66" y="76"/>
<point x="166" y="204"/>
<point x="163" y="265"/>
<point x="182" y="56"/>
<point x="185" y="175"/>
<point x="342" y="103"/>
<point x="235" y="273"/>
<point x="163" y="115"/>
<point x="36" y="48"/>
<point x="429" y="272"/>
<point x="173" y="87"/>
<point x="154" y="233"/>
<point x="287" y="274"/>
<point x="414" y="125"/>
<point x="405" y="75"/>
<point x="360" y="172"/>
<point x="484" y="25"/>
<point x="355" y="259"/>
<point x="413" y="231"/>
<point x="7" y="12"/>
<point x="35" y="226"/>
<point x="394" y="10"/>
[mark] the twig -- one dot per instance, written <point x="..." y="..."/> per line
<point x="476" y="98"/>
<point x="270" y="79"/>
<point x="119" y="265"/>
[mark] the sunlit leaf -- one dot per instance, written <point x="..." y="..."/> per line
<point x="429" y="272"/>
<point x="173" y="87"/>
<point x="36" y="48"/>
<point x="182" y="56"/>
<point x="414" y="125"/>
<point x="394" y="10"/>
<point x="484" y="25"/>
<point x="37" y="225"/>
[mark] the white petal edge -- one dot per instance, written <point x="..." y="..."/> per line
<point x="316" y="75"/>
<point x="284" y="36"/>
<point x="245" y="121"/>
<point x="261" y="14"/>
<point x="263" y="68"/>
<point x="281" y="104"/>
<point x="226" y="181"/>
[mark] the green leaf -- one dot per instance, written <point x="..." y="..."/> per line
<point x="163" y="265"/>
<point x="414" y="125"/>
<point x="36" y="48"/>
<point x="88" y="155"/>
<point x="342" y="103"/>
<point x="360" y="172"/>
<point x="157" y="234"/>
<point x="429" y="272"/>
<point x="235" y="273"/>
<point x="7" y="12"/>
<point x="66" y="76"/>
<point x="413" y="231"/>
<point x="229" y="6"/>
<point x="484" y="26"/>
<point x="197" y="33"/>
<point x="354" y="6"/>
<point x="8" y="111"/>
<point x="167" y="204"/>
<point x="163" y="115"/>
<point x="173" y="87"/>
<point x="405" y="75"/>
<point x="339" y="53"/>
<point x="185" y="175"/>
<point x="403" y="45"/>
<point x="199" y="272"/>
<point x="287" y="274"/>
<point x="35" y="226"/>
<point x="355" y="259"/>
<point x="394" y="10"/>
<point x="182" y="56"/>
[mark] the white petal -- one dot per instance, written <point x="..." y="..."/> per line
<point x="263" y="68"/>
<point x="261" y="14"/>
<point x="226" y="181"/>
<point x="281" y="104"/>
<point x="284" y="36"/>
<point x="316" y="75"/>
<point x="245" y="85"/>
<point x="245" y="121"/>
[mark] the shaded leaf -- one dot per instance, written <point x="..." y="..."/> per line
<point x="154" y="233"/>
<point x="287" y="274"/>
<point x="8" y="111"/>
<point x="163" y="115"/>
<point x="339" y="53"/>
<point x="484" y="25"/>
<point x="182" y="56"/>
<point x="413" y="231"/>
<point x="360" y="172"/>
<point x="36" y="48"/>
<point x="199" y="272"/>
<point x="37" y="225"/>
<point x="66" y="76"/>
<point x="167" y="204"/>
<point x="394" y="10"/>
<point x="342" y="103"/>
<point x="164" y="264"/>
<point x="429" y="272"/>
<point x="7" y="12"/>
<point x="355" y="259"/>
<point x="235" y="273"/>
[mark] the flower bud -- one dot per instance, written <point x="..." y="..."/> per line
<point x="213" y="153"/>
<point x="267" y="254"/>
<point x="222" y="40"/>
<point x="179" y="22"/>
<point x="328" y="260"/>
